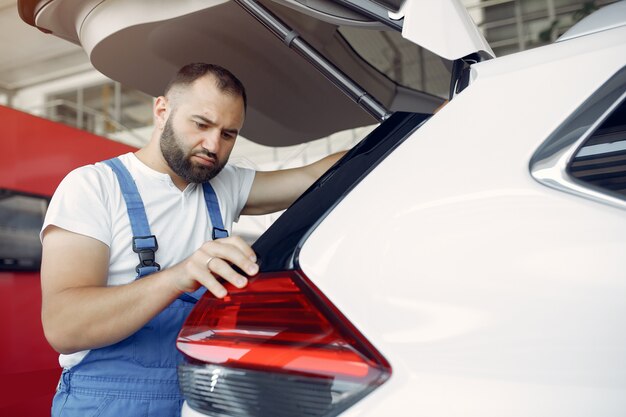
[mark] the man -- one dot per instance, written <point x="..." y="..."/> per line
<point x="115" y="328"/>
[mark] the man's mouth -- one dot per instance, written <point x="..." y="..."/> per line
<point x="204" y="160"/>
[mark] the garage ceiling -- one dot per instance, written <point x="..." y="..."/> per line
<point x="30" y="57"/>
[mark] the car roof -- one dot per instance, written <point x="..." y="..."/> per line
<point x="608" y="17"/>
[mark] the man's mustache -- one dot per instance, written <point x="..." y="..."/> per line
<point x="208" y="154"/>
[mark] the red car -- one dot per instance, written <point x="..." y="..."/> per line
<point x="35" y="154"/>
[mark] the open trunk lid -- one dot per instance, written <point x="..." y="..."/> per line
<point x="401" y="53"/>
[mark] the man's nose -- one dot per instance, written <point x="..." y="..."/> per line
<point x="211" y="140"/>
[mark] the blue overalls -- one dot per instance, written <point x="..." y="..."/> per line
<point x="137" y="376"/>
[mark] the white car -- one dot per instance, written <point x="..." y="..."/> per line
<point x="469" y="263"/>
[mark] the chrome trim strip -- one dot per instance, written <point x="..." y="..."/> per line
<point x="549" y="163"/>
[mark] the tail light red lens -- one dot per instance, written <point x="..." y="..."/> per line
<point x="277" y="347"/>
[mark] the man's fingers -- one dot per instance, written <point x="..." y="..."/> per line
<point x="224" y="270"/>
<point x="208" y="276"/>
<point x="214" y="287"/>
<point x="231" y="250"/>
<point x="241" y="244"/>
<point x="225" y="258"/>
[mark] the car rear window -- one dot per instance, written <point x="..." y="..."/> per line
<point x="586" y="154"/>
<point x="601" y="160"/>
<point x="400" y="60"/>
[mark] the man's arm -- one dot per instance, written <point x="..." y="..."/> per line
<point x="80" y="312"/>
<point x="275" y="190"/>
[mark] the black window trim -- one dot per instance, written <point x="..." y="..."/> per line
<point x="278" y="248"/>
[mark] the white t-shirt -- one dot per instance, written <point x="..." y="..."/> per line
<point x="89" y="201"/>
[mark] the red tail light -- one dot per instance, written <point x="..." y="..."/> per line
<point x="277" y="347"/>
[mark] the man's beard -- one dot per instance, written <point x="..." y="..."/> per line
<point x="181" y="163"/>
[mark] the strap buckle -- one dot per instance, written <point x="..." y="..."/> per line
<point x="145" y="246"/>
<point x="219" y="233"/>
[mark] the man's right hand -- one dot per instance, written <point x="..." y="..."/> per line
<point x="212" y="260"/>
<point x="79" y="310"/>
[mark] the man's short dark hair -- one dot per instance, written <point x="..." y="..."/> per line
<point x="224" y="79"/>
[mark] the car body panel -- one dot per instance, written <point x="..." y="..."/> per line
<point x="606" y="18"/>
<point x="489" y="293"/>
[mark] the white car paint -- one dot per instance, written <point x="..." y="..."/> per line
<point x="489" y="293"/>
<point x="444" y="27"/>
<point x="608" y="18"/>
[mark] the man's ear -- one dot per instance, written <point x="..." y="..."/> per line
<point x="161" y="112"/>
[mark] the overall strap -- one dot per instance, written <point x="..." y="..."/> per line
<point x="144" y="243"/>
<point x="218" y="232"/>
<point x="213" y="206"/>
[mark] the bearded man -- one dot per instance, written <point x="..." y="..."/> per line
<point x="129" y="244"/>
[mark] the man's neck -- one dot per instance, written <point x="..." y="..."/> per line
<point x="153" y="158"/>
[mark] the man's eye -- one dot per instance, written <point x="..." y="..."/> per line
<point x="227" y="135"/>
<point x="200" y="125"/>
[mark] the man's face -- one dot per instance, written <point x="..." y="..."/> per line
<point x="179" y="157"/>
<point x="200" y="132"/>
